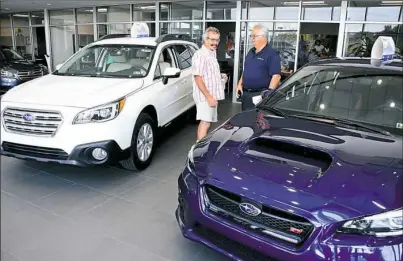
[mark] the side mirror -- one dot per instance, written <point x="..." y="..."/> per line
<point x="58" y="66"/>
<point x="170" y="72"/>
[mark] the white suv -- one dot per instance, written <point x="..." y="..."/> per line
<point x="103" y="105"/>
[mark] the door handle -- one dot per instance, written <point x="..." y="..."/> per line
<point x="184" y="81"/>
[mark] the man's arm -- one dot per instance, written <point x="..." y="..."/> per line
<point x="275" y="71"/>
<point x="202" y="87"/>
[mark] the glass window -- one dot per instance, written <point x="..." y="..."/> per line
<point x="372" y="96"/>
<point x="360" y="38"/>
<point x="270" y="10"/>
<point x="221" y="11"/>
<point x="23" y="41"/>
<point x="184" y="56"/>
<point x="192" y="10"/>
<point x="144" y="12"/>
<point x="62" y="41"/>
<point x="5" y="20"/>
<point x="120" y="13"/>
<point x="61" y="17"/>
<point x="21" y="20"/>
<point x="85" y="15"/>
<point x="37" y="18"/>
<point x="127" y="61"/>
<point x="375" y="11"/>
<point x="85" y="34"/>
<point x="6" y="38"/>
<point x="281" y="36"/>
<point x="194" y="30"/>
<point x="326" y="11"/>
<point x="106" y="29"/>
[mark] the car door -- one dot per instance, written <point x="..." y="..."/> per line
<point x="167" y="94"/>
<point x="185" y="92"/>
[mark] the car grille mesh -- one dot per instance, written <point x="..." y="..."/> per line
<point x="32" y="122"/>
<point x="271" y="222"/>
<point x="34" y="151"/>
<point x="29" y="75"/>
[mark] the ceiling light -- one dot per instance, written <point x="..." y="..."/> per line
<point x="7" y="8"/>
<point x="392" y="2"/>
<point x="48" y="4"/>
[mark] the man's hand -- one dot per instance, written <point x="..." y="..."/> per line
<point x="266" y="93"/>
<point x="211" y="101"/>
<point x="224" y="77"/>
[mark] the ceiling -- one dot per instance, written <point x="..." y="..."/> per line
<point x="13" y="6"/>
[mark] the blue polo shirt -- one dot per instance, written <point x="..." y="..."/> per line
<point x="260" y="67"/>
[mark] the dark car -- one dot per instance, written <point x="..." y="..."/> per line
<point x="314" y="172"/>
<point x="16" y="70"/>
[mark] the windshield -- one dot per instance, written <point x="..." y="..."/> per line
<point x="366" y="95"/>
<point x="10" y="55"/>
<point x="120" y="61"/>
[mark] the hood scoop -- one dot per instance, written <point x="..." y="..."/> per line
<point x="282" y="152"/>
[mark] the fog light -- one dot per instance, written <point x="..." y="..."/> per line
<point x="99" y="154"/>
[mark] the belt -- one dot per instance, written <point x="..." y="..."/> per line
<point x="255" y="90"/>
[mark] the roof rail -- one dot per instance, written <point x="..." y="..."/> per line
<point x="111" y="36"/>
<point x="169" y="37"/>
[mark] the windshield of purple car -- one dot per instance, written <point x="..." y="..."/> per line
<point x="367" y="95"/>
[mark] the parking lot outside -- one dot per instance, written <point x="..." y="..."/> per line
<point x="52" y="212"/>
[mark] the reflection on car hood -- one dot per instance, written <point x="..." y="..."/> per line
<point x="73" y="91"/>
<point x="304" y="164"/>
<point x="21" y="65"/>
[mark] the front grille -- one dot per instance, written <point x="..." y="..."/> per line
<point x="29" y="75"/>
<point x="32" y="122"/>
<point x="33" y="151"/>
<point x="240" y="251"/>
<point x="270" y="222"/>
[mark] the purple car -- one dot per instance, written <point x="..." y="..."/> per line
<point x="314" y="172"/>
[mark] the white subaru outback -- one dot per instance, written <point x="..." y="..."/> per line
<point x="103" y="105"/>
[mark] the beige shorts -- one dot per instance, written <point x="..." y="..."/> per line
<point x="205" y="112"/>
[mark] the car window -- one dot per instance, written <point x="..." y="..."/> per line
<point x="120" y="61"/>
<point x="367" y="95"/>
<point x="165" y="60"/>
<point x="184" y="56"/>
<point x="192" y="49"/>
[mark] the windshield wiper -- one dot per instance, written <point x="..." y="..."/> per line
<point x="341" y="121"/>
<point x="273" y="110"/>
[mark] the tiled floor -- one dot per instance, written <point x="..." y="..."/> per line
<point x="51" y="212"/>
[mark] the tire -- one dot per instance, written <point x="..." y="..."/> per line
<point x="138" y="162"/>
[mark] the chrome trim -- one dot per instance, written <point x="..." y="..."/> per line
<point x="253" y="225"/>
<point x="25" y="110"/>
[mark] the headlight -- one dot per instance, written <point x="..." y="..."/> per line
<point x="7" y="73"/>
<point x="100" y="114"/>
<point x="381" y="225"/>
<point x="190" y="165"/>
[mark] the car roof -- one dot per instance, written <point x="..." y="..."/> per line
<point x="149" y="41"/>
<point x="396" y="64"/>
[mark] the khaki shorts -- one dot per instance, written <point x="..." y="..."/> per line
<point x="205" y="112"/>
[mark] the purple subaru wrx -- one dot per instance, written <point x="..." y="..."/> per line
<point x="313" y="173"/>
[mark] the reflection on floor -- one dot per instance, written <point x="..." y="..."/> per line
<point x="51" y="212"/>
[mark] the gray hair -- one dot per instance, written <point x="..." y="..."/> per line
<point x="262" y="29"/>
<point x="208" y="30"/>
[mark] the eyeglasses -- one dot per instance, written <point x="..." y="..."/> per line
<point x="214" y="39"/>
<point x="253" y="36"/>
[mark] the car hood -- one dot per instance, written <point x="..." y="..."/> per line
<point x="72" y="91"/>
<point x="21" y="65"/>
<point x="304" y="164"/>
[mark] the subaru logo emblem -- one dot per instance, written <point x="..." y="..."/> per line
<point x="28" y="117"/>
<point x="250" y="209"/>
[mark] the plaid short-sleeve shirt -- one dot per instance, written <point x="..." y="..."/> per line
<point x="205" y="64"/>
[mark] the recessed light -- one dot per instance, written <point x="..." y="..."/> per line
<point x="7" y="8"/>
<point x="48" y="4"/>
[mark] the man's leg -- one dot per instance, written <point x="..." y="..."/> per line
<point x="247" y="102"/>
<point x="206" y="115"/>
<point x="202" y="130"/>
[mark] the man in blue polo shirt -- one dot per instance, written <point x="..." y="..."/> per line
<point x="262" y="69"/>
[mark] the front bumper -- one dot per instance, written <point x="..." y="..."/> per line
<point x="80" y="156"/>
<point x="234" y="242"/>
